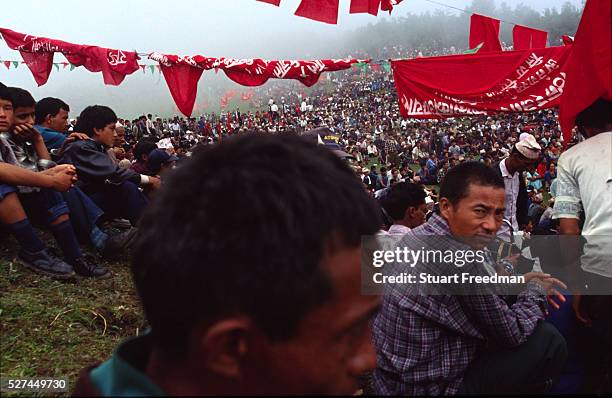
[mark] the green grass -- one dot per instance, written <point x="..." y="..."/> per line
<point x="54" y="329"/>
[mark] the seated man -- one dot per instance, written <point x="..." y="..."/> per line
<point x="25" y="190"/>
<point x="258" y="266"/>
<point x="112" y="188"/>
<point x="460" y="340"/>
<point x="160" y="161"/>
<point x="141" y="156"/>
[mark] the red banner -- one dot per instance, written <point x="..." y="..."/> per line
<point x="37" y="53"/>
<point x="525" y="38"/>
<point x="364" y="6"/>
<point x="484" y="30"/>
<point x="589" y="70"/>
<point x="184" y="72"/>
<point x="459" y="85"/>
<point x="319" y="10"/>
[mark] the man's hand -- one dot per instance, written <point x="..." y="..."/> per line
<point x="27" y="132"/>
<point x="62" y="168"/>
<point x="155" y="182"/>
<point x="548" y="283"/>
<point x="62" y="177"/>
<point x="75" y="137"/>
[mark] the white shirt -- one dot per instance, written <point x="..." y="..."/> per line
<point x="398" y="229"/>
<point x="584" y="182"/>
<point x="511" y="183"/>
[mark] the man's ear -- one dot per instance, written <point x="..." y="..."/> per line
<point x="224" y="345"/>
<point x="446" y="208"/>
<point x="409" y="213"/>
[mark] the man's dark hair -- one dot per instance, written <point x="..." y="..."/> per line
<point x="457" y="181"/>
<point x="597" y="115"/>
<point x="6" y="94"/>
<point x="242" y="228"/>
<point x="400" y="197"/>
<point x="2" y="85"/>
<point x="49" y="106"/>
<point x="95" y="117"/>
<point x="143" y="147"/>
<point x="21" y="98"/>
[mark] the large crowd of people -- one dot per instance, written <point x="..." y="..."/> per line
<point x="304" y="207"/>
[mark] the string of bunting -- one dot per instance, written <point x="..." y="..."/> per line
<point x="152" y="68"/>
<point x="181" y="73"/>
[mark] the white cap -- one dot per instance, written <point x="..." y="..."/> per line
<point x="529" y="147"/>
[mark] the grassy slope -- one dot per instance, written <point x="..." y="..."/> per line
<point x="52" y="328"/>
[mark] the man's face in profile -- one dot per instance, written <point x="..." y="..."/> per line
<point x="59" y="122"/>
<point x="332" y="345"/>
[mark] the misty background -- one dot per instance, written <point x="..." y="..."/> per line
<point x="241" y="29"/>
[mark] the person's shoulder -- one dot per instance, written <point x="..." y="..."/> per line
<point x="586" y="146"/>
<point x="82" y="145"/>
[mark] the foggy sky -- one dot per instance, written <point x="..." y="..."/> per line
<point x="231" y="28"/>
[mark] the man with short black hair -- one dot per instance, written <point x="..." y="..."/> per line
<point x="405" y="204"/>
<point x="247" y="264"/>
<point x="462" y="338"/>
<point x="52" y="121"/>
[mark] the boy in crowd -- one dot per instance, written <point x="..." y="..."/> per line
<point x="112" y="188"/>
<point x="244" y="299"/>
<point x="51" y="117"/>
<point x="22" y="145"/>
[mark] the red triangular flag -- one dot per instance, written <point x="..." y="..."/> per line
<point x="526" y="38"/>
<point x="484" y="30"/>
<point x="273" y="2"/>
<point x="319" y="10"/>
<point x="182" y="81"/>
<point x="7" y="64"/>
<point x="589" y="69"/>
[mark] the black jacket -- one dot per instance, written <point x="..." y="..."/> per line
<point x="94" y="167"/>
<point x="521" y="201"/>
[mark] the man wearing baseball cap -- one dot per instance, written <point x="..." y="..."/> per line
<point x="524" y="155"/>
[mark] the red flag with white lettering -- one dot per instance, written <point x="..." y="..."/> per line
<point x="475" y="84"/>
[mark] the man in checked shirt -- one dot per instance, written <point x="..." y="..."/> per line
<point x="460" y="340"/>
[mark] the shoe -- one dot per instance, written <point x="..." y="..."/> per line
<point x="118" y="223"/>
<point x="119" y="243"/>
<point x="44" y="263"/>
<point x="84" y="267"/>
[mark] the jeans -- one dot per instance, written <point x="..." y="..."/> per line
<point x="121" y="201"/>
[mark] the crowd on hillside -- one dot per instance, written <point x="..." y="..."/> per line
<point x="90" y="181"/>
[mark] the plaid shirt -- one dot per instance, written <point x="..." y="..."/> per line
<point x="424" y="343"/>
